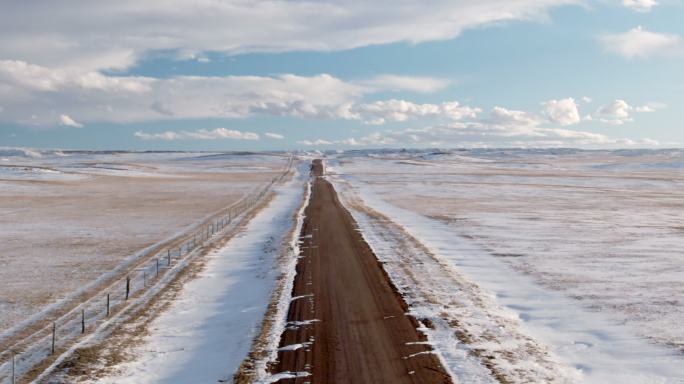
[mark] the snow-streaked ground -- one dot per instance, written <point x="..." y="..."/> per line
<point x="66" y="218"/>
<point x="557" y="263"/>
<point x="208" y="330"/>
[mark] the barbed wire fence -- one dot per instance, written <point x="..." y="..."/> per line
<point x="66" y="330"/>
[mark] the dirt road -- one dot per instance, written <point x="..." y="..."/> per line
<point x="347" y="324"/>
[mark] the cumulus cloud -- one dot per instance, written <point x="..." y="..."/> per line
<point x="640" y="5"/>
<point x="315" y="142"/>
<point x="221" y="133"/>
<point x="619" y="111"/>
<point x="640" y="43"/>
<point x="276" y="136"/>
<point x="94" y="97"/>
<point x="200" y="134"/>
<point x="479" y="135"/>
<point x="508" y="118"/>
<point x="616" y="113"/>
<point x="26" y="88"/>
<point x="374" y="139"/>
<point x="61" y="62"/>
<point x="29" y="77"/>
<point x="167" y="135"/>
<point x="563" y="112"/>
<point x="69" y="122"/>
<point x="379" y="112"/>
<point x="503" y="127"/>
<point x="88" y="35"/>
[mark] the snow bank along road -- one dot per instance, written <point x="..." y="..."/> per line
<point x="208" y="329"/>
<point x="346" y="322"/>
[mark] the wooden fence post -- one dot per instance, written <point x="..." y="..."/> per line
<point x="54" y="331"/>
<point x="168" y="257"/>
<point x="82" y="321"/>
<point x="128" y="286"/>
<point x="108" y="305"/>
<point x="157" y="260"/>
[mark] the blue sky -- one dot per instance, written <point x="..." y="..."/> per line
<point x="230" y="75"/>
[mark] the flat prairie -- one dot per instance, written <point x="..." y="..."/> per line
<point x="574" y="255"/>
<point x="68" y="218"/>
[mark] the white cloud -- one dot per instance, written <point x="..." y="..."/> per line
<point x="407" y="83"/>
<point x="619" y="111"/>
<point x="616" y="113"/>
<point x="167" y="135"/>
<point x="508" y="118"/>
<point x="69" y="122"/>
<point x="315" y="142"/>
<point x="59" y="63"/>
<point x="503" y="128"/>
<point x="94" y="97"/>
<point x="94" y="35"/>
<point x="276" y="136"/>
<point x="478" y="135"/>
<point x="640" y="5"/>
<point x="648" y="142"/>
<point x="373" y="139"/>
<point x="379" y="112"/>
<point x="587" y="99"/>
<point x="650" y="107"/>
<point x="645" y="109"/>
<point x="221" y="133"/>
<point x="563" y="112"/>
<point x="29" y="77"/>
<point x="200" y="134"/>
<point x="640" y="43"/>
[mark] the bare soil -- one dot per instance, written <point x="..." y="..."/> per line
<point x="347" y="322"/>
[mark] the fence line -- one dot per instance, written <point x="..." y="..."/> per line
<point x="94" y="311"/>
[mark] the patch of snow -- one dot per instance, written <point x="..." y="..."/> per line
<point x="208" y="330"/>
<point x="288" y="273"/>
<point x="591" y="343"/>
<point x="287" y="375"/>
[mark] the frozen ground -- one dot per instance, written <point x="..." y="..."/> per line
<point x="68" y="217"/>
<point x="567" y="264"/>
<point x="204" y="335"/>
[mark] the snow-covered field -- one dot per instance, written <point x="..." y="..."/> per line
<point x="523" y="265"/>
<point x="538" y="265"/>
<point x="208" y="329"/>
<point x="68" y="217"/>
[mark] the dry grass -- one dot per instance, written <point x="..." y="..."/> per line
<point x="59" y="235"/>
<point x="100" y="360"/>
